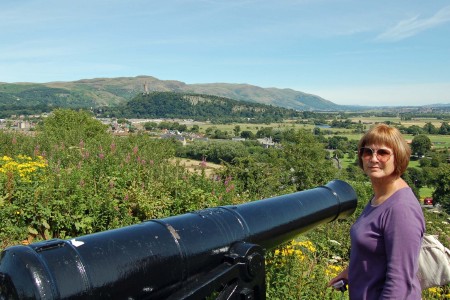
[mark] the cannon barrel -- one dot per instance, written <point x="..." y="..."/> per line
<point x="156" y="258"/>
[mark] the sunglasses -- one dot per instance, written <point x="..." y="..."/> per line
<point x="383" y="155"/>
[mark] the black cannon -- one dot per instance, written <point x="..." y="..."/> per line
<point x="216" y="251"/>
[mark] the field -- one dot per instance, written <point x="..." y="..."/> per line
<point x="439" y="141"/>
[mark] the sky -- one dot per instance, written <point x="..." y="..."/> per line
<point x="373" y="53"/>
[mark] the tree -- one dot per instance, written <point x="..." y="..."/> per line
<point x="182" y="128"/>
<point x="195" y="128"/>
<point x="351" y="154"/>
<point x="305" y="161"/>
<point x="442" y="192"/>
<point x="70" y="127"/>
<point x="150" y="125"/>
<point x="430" y="128"/>
<point x="164" y="125"/>
<point x="237" y="130"/>
<point x="414" y="130"/>
<point x="414" y="177"/>
<point x="420" y="144"/>
<point x="255" y="177"/>
<point x="444" y="129"/>
<point x="424" y="162"/>
<point x="264" y="132"/>
<point x="247" y="134"/>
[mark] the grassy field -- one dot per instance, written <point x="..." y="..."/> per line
<point x="439" y="141"/>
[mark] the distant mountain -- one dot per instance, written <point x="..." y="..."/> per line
<point x="114" y="91"/>
<point x="287" y="98"/>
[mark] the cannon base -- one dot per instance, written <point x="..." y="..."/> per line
<point x="240" y="276"/>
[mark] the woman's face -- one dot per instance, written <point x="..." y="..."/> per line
<point x="378" y="161"/>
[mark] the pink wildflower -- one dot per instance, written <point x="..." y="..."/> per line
<point x="230" y="188"/>
<point x="135" y="150"/>
<point x="36" y="151"/>
<point x="227" y="180"/>
<point x="203" y="163"/>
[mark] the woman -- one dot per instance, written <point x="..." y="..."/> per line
<point x="386" y="238"/>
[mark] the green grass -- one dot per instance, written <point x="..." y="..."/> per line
<point x="426" y="192"/>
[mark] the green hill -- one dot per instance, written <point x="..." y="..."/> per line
<point x="114" y="91"/>
<point x="196" y="106"/>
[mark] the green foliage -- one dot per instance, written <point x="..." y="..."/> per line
<point x="69" y="127"/>
<point x="214" y="151"/>
<point x="247" y="134"/>
<point x="257" y="178"/>
<point x="414" y="178"/>
<point x="98" y="185"/>
<point x="445" y="128"/>
<point x="196" y="106"/>
<point x="420" y="144"/>
<point x="305" y="158"/>
<point x="441" y="183"/>
<point x="35" y="98"/>
<point x="429" y="128"/>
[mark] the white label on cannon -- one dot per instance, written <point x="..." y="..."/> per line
<point x="220" y="250"/>
<point x="76" y="243"/>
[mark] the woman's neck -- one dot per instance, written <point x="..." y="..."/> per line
<point x="383" y="188"/>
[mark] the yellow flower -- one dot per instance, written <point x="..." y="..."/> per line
<point x="433" y="290"/>
<point x="23" y="165"/>
<point x="6" y="158"/>
<point x="333" y="270"/>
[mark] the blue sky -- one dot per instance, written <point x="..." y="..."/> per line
<point x="380" y="52"/>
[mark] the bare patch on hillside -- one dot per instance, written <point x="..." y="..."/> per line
<point x="197" y="166"/>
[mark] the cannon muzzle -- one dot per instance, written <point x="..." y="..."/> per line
<point x="157" y="259"/>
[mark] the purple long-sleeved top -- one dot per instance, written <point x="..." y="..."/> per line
<point x="385" y="244"/>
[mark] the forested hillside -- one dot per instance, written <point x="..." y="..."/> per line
<point x="195" y="106"/>
<point x="33" y="98"/>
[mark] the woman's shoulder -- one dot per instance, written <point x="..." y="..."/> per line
<point x="403" y="192"/>
<point x="402" y="198"/>
<point x="404" y="202"/>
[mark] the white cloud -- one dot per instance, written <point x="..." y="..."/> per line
<point x="412" y="26"/>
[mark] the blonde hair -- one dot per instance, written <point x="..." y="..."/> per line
<point x="382" y="134"/>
